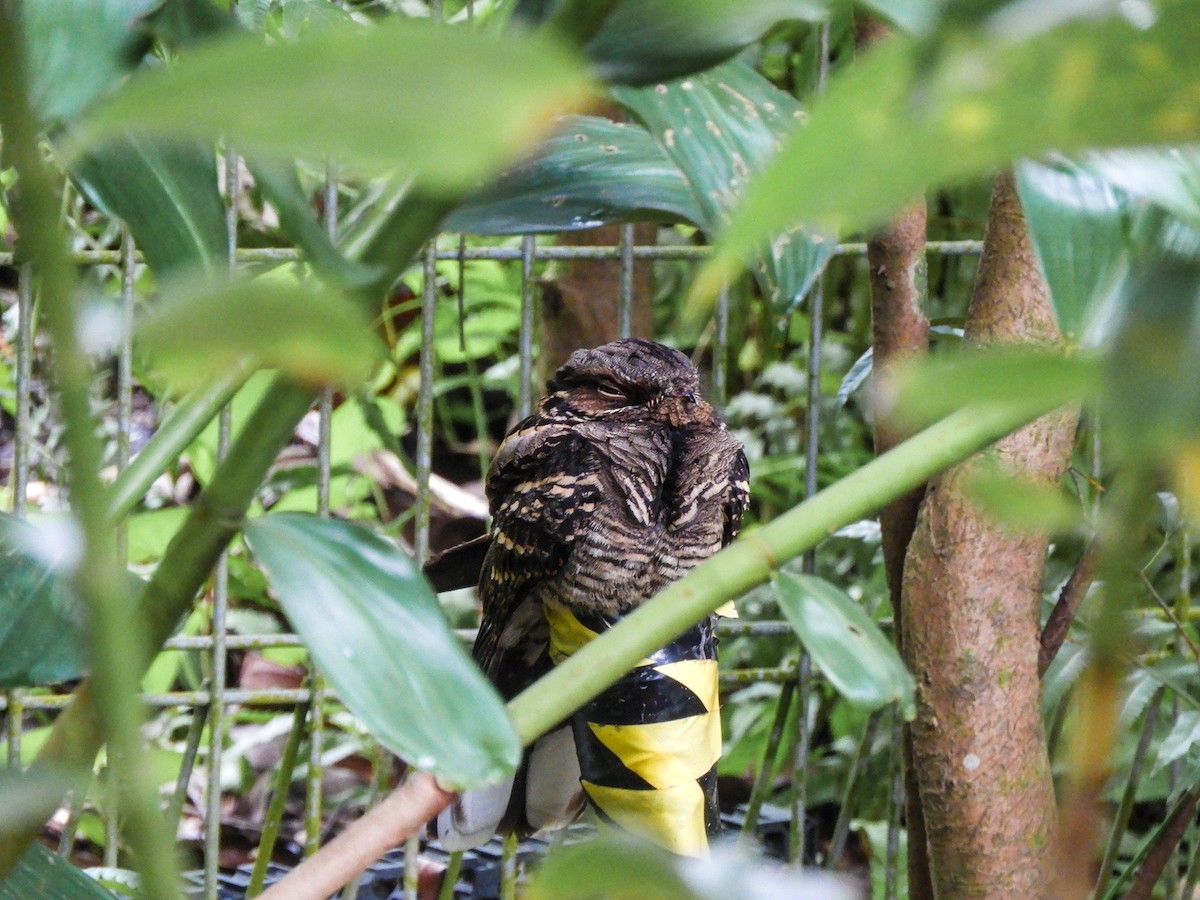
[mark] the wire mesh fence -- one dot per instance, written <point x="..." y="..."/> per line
<point x="207" y="714"/>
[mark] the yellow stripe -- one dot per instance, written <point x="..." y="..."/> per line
<point x="672" y="818"/>
<point x="699" y="676"/>
<point x="567" y="633"/>
<point x="665" y="754"/>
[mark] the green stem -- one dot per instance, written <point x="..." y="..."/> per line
<point x="177" y="431"/>
<point x="114" y="639"/>
<point x="754" y="557"/>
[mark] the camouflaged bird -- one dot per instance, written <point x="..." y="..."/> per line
<point x="622" y="481"/>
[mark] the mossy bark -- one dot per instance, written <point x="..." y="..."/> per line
<point x="972" y="593"/>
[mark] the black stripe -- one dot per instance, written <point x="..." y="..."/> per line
<point x="642" y="697"/>
<point x="600" y="765"/>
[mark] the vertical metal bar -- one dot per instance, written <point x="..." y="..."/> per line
<point x="220" y="603"/>
<point x="721" y="350"/>
<point x="625" y="289"/>
<point x="796" y="840"/>
<point x="525" y="348"/>
<point x="762" y="783"/>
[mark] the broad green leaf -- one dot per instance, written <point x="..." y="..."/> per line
<point x="620" y="867"/>
<point x="923" y="391"/>
<point x="642" y="41"/>
<point x="449" y="102"/>
<point x="40" y="615"/>
<point x="377" y="633"/>
<point x="313" y="333"/>
<point x="1080" y="224"/>
<point x="76" y="49"/>
<point x="166" y="192"/>
<point x="281" y="187"/>
<point x="1169" y="176"/>
<point x="845" y="644"/>
<point x="884" y="131"/>
<point x="592" y="171"/>
<point x="1152" y="378"/>
<point x="911" y="16"/>
<point x="721" y="127"/>
<point x="43" y="873"/>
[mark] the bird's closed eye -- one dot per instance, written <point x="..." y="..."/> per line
<point x="609" y="391"/>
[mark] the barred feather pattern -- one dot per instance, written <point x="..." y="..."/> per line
<point x="622" y="481"/>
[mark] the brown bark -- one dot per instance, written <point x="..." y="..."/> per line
<point x="1070" y="598"/>
<point x="899" y="330"/>
<point x="972" y="591"/>
<point x="579" y="308"/>
<point x="1163" y="850"/>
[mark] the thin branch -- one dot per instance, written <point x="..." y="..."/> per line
<point x="1070" y="598"/>
<point x="1163" y="849"/>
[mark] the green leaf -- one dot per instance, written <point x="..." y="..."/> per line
<point x="642" y="41"/>
<point x="166" y="192"/>
<point x="911" y="16"/>
<point x="1152" y="377"/>
<point x="40" y="615"/>
<point x="845" y="644"/>
<point x="1169" y="176"/>
<point x="1079" y="224"/>
<point x="885" y="131"/>
<point x="721" y="127"/>
<point x="451" y="103"/>
<point x="76" y="49"/>
<point x="377" y="633"/>
<point x="313" y="333"/>
<point x="43" y="873"/>
<point x="620" y="867"/>
<point x="592" y="171"/>
<point x="281" y="187"/>
<point x="924" y="391"/>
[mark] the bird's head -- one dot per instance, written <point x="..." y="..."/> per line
<point x="631" y="380"/>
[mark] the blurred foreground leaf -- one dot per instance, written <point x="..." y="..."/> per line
<point x="845" y="644"/>
<point x="41" y="618"/>
<point x="24" y="796"/>
<point x="885" y="131"/>
<point x="450" y="103"/>
<point x="618" y="867"/>
<point x="313" y="333"/>
<point x="377" y="633"/>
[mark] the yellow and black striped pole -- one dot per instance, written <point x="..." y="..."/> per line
<point x="649" y="745"/>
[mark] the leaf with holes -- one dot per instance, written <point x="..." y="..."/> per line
<point x="450" y="103"/>
<point x="40" y="615"/>
<point x="721" y="127"/>
<point x="377" y="633"/>
<point x="592" y="171"/>
<point x="889" y="127"/>
<point x="845" y="644"/>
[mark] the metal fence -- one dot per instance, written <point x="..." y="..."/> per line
<point x="211" y="706"/>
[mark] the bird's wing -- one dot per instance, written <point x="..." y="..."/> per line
<point x="543" y="484"/>
<point x="737" y="496"/>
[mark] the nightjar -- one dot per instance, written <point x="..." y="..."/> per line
<point x="621" y="481"/>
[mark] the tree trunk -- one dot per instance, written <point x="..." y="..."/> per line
<point x="899" y="330"/>
<point x="972" y="594"/>
<point x="579" y="308"/>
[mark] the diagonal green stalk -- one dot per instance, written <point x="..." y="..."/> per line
<point x="114" y="641"/>
<point x="752" y="559"/>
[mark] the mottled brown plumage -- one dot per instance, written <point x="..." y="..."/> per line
<point x="621" y="481"/>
